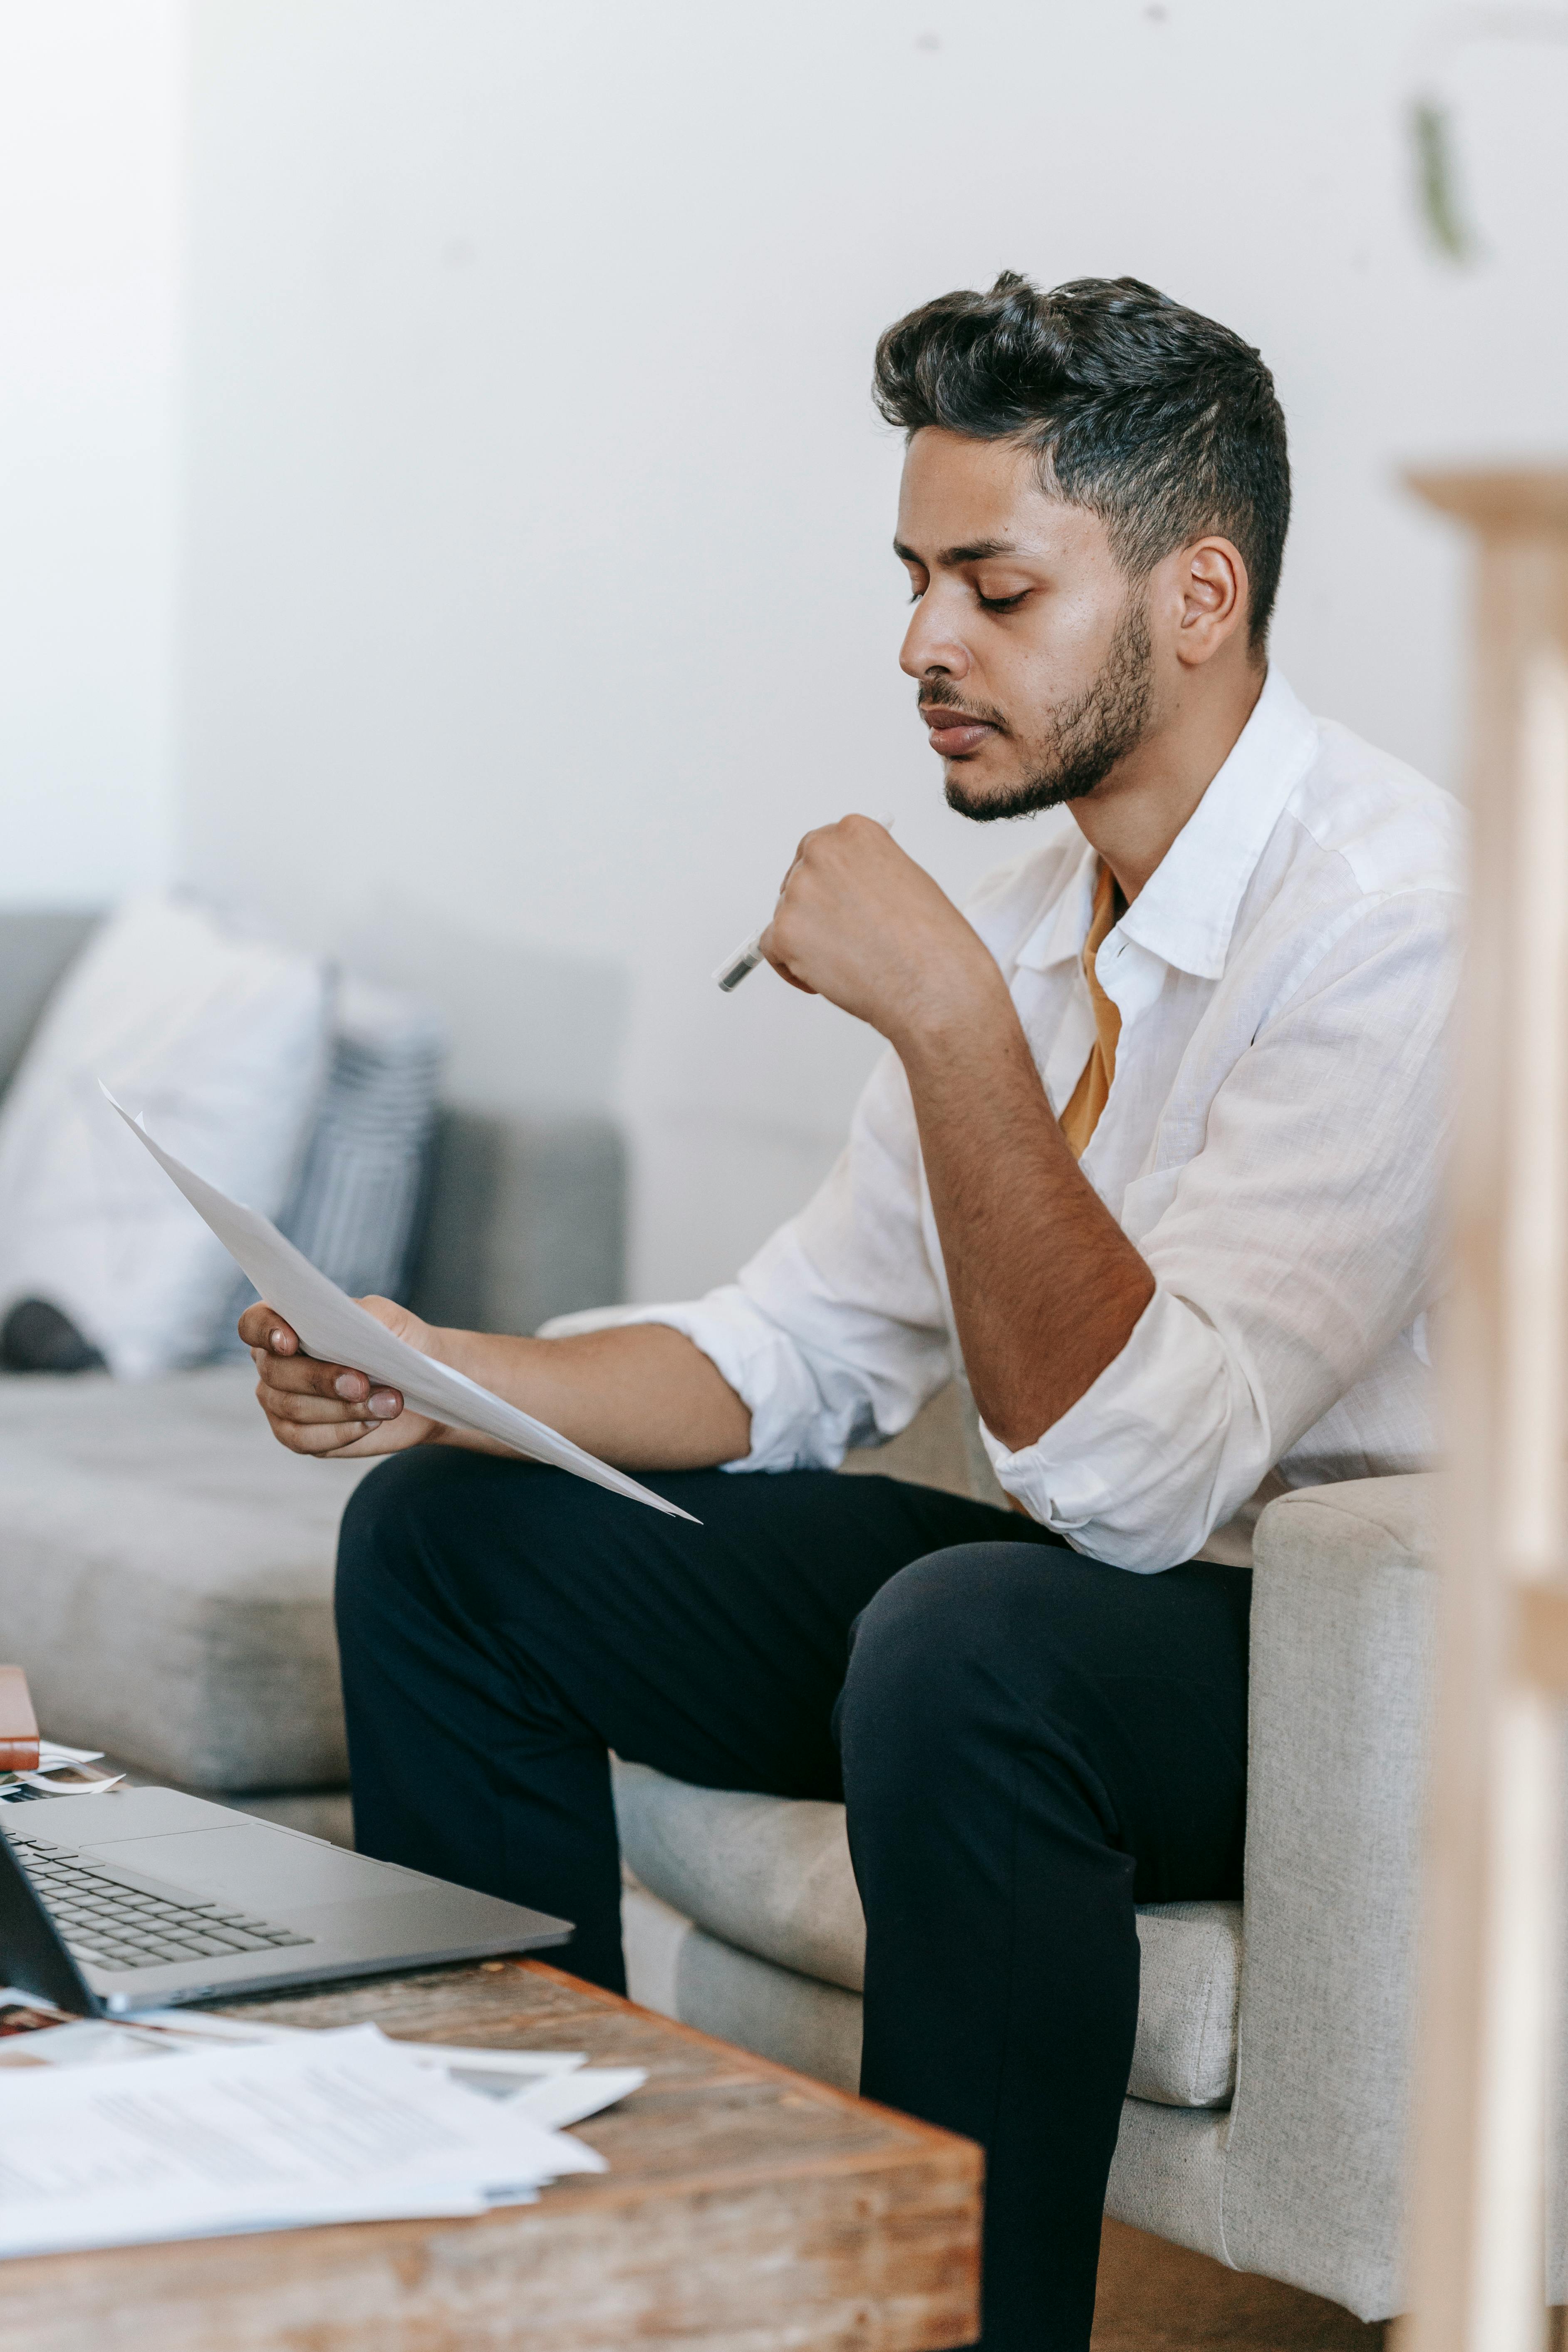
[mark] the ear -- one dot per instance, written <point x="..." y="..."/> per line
<point x="1211" y="587"/>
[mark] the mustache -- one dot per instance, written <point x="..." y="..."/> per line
<point x="935" y="694"/>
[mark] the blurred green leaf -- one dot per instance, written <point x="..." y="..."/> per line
<point x="1432" y="130"/>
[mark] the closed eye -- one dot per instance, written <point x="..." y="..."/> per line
<point x="1001" y="603"/>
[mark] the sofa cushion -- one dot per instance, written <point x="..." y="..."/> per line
<point x="771" y="1876"/>
<point x="218" y="1036"/>
<point x="166" y="1577"/>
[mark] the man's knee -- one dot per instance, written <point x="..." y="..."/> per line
<point x="938" y="1631"/>
<point x="463" y="1533"/>
<point x="423" y="1522"/>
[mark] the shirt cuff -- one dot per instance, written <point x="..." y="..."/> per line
<point x="760" y="1361"/>
<point x="1138" y="1473"/>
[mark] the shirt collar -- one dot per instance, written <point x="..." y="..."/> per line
<point x="1187" y="910"/>
<point x="1060" y="936"/>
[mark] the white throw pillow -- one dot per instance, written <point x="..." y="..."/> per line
<point x="220" y="1039"/>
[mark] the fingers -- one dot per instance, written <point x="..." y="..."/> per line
<point x="311" y="1408"/>
<point x="262" y="1327"/>
<point x="858" y="830"/>
<point x="305" y="1405"/>
<point x="297" y="1394"/>
<point x="771" y="953"/>
<point x="314" y="1438"/>
<point x="302" y="1376"/>
<point x="306" y="1423"/>
<point x="305" y="1391"/>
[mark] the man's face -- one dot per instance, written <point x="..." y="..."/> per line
<point x="1029" y="644"/>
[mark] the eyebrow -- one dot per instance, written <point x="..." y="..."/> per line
<point x="979" y="550"/>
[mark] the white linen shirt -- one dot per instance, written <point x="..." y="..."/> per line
<point x="1272" y="1144"/>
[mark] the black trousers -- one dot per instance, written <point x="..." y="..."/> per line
<point x="1028" y="1744"/>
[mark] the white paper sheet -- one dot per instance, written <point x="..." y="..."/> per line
<point x="334" y="2127"/>
<point x="62" y="1772"/>
<point x="335" y="1330"/>
<point x="553" y="2088"/>
<point x="556" y="2100"/>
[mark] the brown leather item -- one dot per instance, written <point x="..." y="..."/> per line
<point x="18" y="1724"/>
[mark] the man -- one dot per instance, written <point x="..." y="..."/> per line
<point x="1150" y="1162"/>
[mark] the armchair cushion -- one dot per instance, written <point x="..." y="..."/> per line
<point x="771" y="1877"/>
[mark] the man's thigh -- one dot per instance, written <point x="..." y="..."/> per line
<point x="1150" y="1673"/>
<point x="713" y="1652"/>
<point x="1127" y="1693"/>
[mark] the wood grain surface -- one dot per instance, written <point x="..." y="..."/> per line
<point x="1155" y="2297"/>
<point x="746" y="2210"/>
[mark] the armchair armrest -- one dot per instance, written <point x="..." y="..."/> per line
<point x="1342" y="1623"/>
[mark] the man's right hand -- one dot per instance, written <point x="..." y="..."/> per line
<point x="643" y="1397"/>
<point x="331" y="1411"/>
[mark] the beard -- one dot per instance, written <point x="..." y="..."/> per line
<point x="1084" y="738"/>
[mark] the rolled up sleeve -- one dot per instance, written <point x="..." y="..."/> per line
<point x="1121" y="1475"/>
<point x="1290" y="1255"/>
<point x="834" y="1334"/>
<point x="794" y="1425"/>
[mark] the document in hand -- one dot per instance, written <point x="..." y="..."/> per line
<point x="332" y="2127"/>
<point x="336" y="1330"/>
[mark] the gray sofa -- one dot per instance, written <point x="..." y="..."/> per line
<point x="165" y="1575"/>
<point x="165" y="1568"/>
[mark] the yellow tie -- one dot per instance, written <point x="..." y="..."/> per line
<point x="1081" y="1116"/>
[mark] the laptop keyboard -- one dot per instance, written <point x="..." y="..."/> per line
<point x="116" y="1924"/>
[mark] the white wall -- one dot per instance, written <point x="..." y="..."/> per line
<point x="90" y="151"/>
<point x="535" y="492"/>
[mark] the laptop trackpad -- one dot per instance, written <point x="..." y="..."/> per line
<point x="248" y="1864"/>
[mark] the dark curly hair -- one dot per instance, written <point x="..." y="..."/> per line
<point x="1162" y="423"/>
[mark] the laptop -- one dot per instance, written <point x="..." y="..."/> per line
<point x="143" y="1898"/>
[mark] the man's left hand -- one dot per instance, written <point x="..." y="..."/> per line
<point x="859" y="922"/>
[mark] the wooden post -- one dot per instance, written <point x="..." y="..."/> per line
<point x="1490" y="1942"/>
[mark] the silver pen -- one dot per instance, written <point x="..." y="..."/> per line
<point x="749" y="954"/>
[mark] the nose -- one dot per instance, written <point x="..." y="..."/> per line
<point x="931" y="645"/>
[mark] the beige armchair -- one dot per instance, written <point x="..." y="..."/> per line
<point x="1265" y="2121"/>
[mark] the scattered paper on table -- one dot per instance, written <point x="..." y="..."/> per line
<point x="62" y="1772"/>
<point x="68" y="1781"/>
<point x="327" y="2126"/>
<point x="557" y="2100"/>
<point x="71" y="2041"/>
<point x="553" y="2088"/>
<point x="24" y="2017"/>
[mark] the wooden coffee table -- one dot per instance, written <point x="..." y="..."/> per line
<point x="746" y="2210"/>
